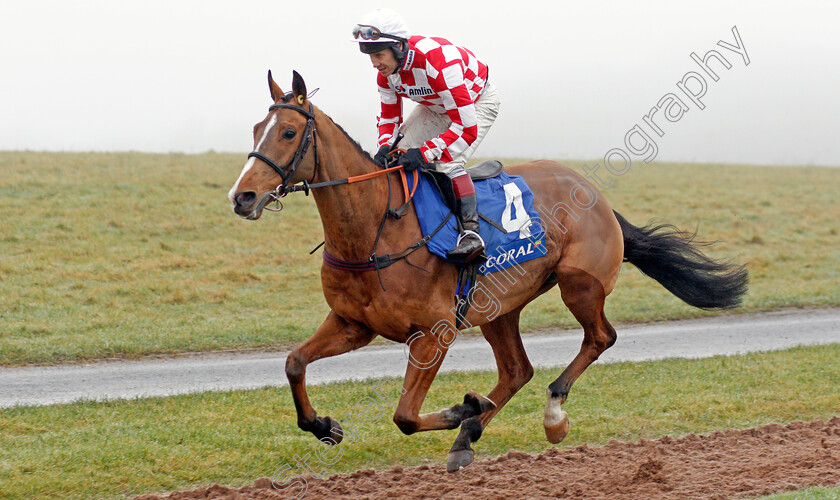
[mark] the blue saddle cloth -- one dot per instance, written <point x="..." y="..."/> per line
<point x="506" y="200"/>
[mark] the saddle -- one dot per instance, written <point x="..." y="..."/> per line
<point x="485" y="170"/>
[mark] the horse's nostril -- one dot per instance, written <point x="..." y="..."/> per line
<point x="245" y="198"/>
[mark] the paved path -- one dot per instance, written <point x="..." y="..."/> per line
<point x="682" y="339"/>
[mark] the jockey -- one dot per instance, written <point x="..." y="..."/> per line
<point x="458" y="106"/>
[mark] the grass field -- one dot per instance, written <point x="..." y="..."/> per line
<point x="121" y="448"/>
<point x="809" y="494"/>
<point x="127" y="254"/>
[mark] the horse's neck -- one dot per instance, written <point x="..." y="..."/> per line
<point x="350" y="213"/>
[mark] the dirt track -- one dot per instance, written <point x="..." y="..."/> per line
<point x="730" y="464"/>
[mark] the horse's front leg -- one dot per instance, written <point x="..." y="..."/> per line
<point x="426" y="354"/>
<point x="334" y="336"/>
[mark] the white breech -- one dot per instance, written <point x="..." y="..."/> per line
<point x="423" y="124"/>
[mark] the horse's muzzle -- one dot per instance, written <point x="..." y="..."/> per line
<point x="248" y="206"/>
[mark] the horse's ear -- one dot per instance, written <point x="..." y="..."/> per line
<point x="298" y="87"/>
<point x="276" y="92"/>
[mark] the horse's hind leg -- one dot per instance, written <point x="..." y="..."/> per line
<point x="584" y="295"/>
<point x="334" y="336"/>
<point x="514" y="372"/>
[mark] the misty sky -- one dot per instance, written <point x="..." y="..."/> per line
<point x="574" y="77"/>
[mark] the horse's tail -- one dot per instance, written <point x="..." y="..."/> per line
<point x="674" y="259"/>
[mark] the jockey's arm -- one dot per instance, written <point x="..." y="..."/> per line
<point x="460" y="108"/>
<point x="390" y="117"/>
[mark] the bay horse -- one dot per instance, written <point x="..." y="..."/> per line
<point x="298" y="147"/>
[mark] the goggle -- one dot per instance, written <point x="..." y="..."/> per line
<point x="366" y="32"/>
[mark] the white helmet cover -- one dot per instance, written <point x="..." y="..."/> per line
<point x="388" y="22"/>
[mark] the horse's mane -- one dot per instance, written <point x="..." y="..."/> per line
<point x="288" y="97"/>
<point x="354" y="142"/>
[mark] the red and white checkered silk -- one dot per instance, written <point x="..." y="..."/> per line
<point x="446" y="78"/>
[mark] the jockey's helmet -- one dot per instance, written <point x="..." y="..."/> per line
<point x="382" y="29"/>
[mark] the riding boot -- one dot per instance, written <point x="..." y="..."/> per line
<point x="470" y="245"/>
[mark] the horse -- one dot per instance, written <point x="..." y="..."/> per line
<point x="297" y="147"/>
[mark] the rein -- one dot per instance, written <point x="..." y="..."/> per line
<point x="310" y="136"/>
<point x="306" y="186"/>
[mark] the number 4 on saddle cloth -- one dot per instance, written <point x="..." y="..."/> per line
<point x="508" y="223"/>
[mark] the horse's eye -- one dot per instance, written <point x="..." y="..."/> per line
<point x="289" y="133"/>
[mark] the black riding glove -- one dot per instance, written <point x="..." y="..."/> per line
<point x="381" y="156"/>
<point x="412" y="160"/>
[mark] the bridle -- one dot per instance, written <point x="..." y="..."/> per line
<point x="310" y="136"/>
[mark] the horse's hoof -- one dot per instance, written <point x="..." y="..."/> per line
<point x="336" y="432"/>
<point x="328" y="430"/>
<point x="480" y="403"/>
<point x="556" y="427"/>
<point x="457" y="460"/>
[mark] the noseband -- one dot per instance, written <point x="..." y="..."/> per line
<point x="309" y="137"/>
